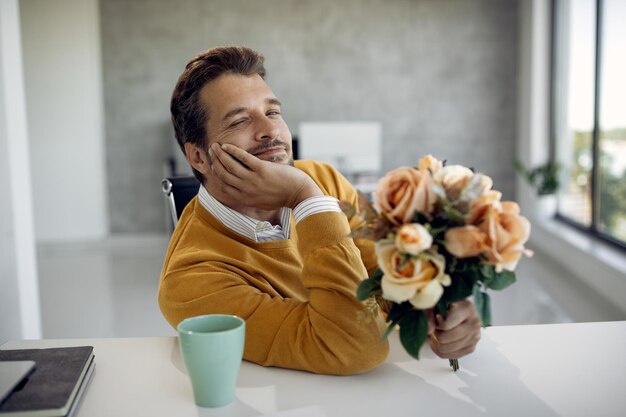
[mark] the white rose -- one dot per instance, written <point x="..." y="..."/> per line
<point x="419" y="280"/>
<point x="453" y="179"/>
<point x="478" y="185"/>
<point x="413" y="238"/>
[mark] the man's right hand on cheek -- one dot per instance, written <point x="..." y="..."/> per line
<point x="247" y="180"/>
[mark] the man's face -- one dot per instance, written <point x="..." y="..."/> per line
<point x="244" y="112"/>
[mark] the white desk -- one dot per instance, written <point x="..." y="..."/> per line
<point x="546" y="370"/>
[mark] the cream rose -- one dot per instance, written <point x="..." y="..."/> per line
<point x="477" y="186"/>
<point x="453" y="179"/>
<point x="430" y="163"/>
<point x="506" y="233"/>
<point x="404" y="191"/>
<point x="413" y="238"/>
<point x="419" y="280"/>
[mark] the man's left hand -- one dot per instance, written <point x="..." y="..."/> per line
<point x="242" y="178"/>
<point x="458" y="334"/>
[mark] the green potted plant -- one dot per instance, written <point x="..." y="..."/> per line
<point x="545" y="180"/>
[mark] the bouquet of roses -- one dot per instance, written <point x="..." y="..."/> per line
<point x="442" y="234"/>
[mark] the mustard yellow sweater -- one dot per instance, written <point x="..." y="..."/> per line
<point x="297" y="296"/>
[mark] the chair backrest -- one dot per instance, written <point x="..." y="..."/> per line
<point x="179" y="191"/>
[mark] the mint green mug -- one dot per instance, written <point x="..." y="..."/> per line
<point x="212" y="348"/>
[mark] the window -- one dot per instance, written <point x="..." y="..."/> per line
<point x="589" y="114"/>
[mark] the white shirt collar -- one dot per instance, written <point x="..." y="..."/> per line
<point x="253" y="229"/>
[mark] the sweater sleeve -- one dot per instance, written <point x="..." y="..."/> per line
<point x="329" y="333"/>
<point x="344" y="190"/>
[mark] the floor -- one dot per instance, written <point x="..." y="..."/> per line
<point x="109" y="289"/>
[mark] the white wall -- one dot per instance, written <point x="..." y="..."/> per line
<point x="438" y="75"/>
<point x="19" y="295"/>
<point x="534" y="91"/>
<point x="63" y="77"/>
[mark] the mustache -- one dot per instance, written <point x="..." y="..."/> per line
<point x="267" y="145"/>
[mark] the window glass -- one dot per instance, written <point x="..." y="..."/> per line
<point x="611" y="194"/>
<point x="574" y="95"/>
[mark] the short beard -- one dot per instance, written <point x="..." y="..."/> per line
<point x="256" y="149"/>
<point x="279" y="159"/>
<point x="271" y="144"/>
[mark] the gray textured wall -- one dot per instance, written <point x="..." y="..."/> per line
<point x="440" y="75"/>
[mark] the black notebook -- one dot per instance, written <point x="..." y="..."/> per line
<point x="53" y="386"/>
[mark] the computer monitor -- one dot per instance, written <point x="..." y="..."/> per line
<point x="353" y="148"/>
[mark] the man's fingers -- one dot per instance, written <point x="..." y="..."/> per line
<point x="468" y="339"/>
<point x="452" y="351"/>
<point x="222" y="171"/>
<point x="248" y="160"/>
<point x="457" y="314"/>
<point x="460" y="353"/>
<point x="224" y="188"/>
<point x="471" y="325"/>
<point x="450" y="336"/>
<point x="459" y="334"/>
<point x="232" y="165"/>
<point x="455" y="355"/>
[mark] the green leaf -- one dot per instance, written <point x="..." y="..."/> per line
<point x="478" y="299"/>
<point x="459" y="289"/>
<point x="501" y="280"/>
<point x="487" y="273"/>
<point x="397" y="311"/>
<point x="483" y="307"/>
<point x="442" y="308"/>
<point x="367" y="288"/>
<point x="455" y="215"/>
<point x="413" y="331"/>
<point x="389" y="330"/>
<point x="420" y="218"/>
<point x="377" y="274"/>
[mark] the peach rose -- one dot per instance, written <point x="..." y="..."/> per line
<point x="453" y="179"/>
<point x="413" y="238"/>
<point x="466" y="241"/>
<point x="430" y="163"/>
<point x="404" y="191"/>
<point x="419" y="280"/>
<point x="506" y="233"/>
<point x="479" y="206"/>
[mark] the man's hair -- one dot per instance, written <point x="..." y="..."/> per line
<point x="189" y="116"/>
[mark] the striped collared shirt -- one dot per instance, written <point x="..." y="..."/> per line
<point x="263" y="231"/>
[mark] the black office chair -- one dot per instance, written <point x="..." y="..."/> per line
<point x="179" y="191"/>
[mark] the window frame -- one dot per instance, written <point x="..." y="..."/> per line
<point x="592" y="229"/>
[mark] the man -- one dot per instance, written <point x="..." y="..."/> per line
<point x="265" y="238"/>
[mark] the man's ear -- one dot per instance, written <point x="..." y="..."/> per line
<point x="198" y="158"/>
